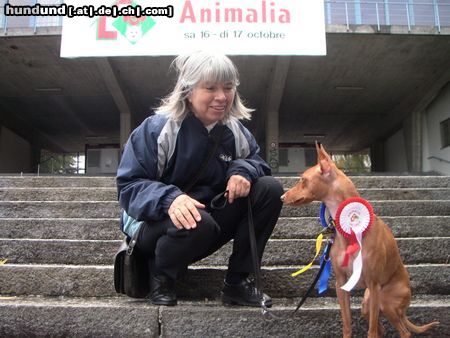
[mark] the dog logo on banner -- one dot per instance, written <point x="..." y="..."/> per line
<point x="133" y="28"/>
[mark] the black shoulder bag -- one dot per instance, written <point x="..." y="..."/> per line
<point x="131" y="270"/>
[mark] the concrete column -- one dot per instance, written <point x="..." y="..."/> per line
<point x="125" y="128"/>
<point x="272" y="107"/>
<point x="377" y="157"/>
<point x="35" y="158"/>
<point x="272" y="135"/>
<point x="118" y="95"/>
<point x="412" y="131"/>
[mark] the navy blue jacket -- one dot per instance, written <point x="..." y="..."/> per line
<point x="162" y="156"/>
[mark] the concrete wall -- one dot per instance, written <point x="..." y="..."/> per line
<point x="102" y="161"/>
<point x="395" y="153"/>
<point x="437" y="112"/>
<point x="15" y="153"/>
<point x="296" y="161"/>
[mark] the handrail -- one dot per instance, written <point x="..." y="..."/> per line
<point x="383" y="2"/>
<point x="383" y="13"/>
<point x="438" y="158"/>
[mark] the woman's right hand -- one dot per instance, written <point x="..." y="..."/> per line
<point x="183" y="212"/>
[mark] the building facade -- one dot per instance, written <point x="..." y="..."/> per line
<point x="382" y="90"/>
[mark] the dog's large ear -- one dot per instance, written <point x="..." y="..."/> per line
<point x="323" y="159"/>
<point x="324" y="153"/>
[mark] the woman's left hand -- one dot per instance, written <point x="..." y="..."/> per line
<point x="238" y="186"/>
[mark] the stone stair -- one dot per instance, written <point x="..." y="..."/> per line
<point x="59" y="235"/>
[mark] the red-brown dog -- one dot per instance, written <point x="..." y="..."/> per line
<point x="383" y="274"/>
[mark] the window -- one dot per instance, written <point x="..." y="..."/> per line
<point x="445" y="133"/>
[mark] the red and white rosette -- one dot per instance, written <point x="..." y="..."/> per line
<point x="353" y="219"/>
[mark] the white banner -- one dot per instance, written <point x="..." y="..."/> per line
<point x="172" y="27"/>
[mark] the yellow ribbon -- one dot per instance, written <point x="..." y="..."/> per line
<point x="3" y="261"/>
<point x="318" y="247"/>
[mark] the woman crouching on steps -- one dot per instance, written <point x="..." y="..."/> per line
<point x="165" y="193"/>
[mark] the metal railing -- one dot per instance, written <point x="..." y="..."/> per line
<point x="3" y="18"/>
<point x="29" y="21"/>
<point x="438" y="159"/>
<point x="410" y="13"/>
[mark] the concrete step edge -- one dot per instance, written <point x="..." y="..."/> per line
<point x="124" y="301"/>
<point x="312" y="218"/>
<point x="77" y="219"/>
<point x="115" y="202"/>
<point x="200" y="282"/>
<point x="59" y="188"/>
<point x="97" y="188"/>
<point x="123" y="317"/>
<point x="287" y="227"/>
<point x="274" y="240"/>
<point x="278" y="251"/>
<point x="197" y="267"/>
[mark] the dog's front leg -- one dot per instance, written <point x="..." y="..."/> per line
<point x="344" y="303"/>
<point x="374" y="305"/>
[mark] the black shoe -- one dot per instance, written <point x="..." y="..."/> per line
<point x="244" y="293"/>
<point x="163" y="291"/>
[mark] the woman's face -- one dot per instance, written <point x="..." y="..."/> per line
<point x="211" y="101"/>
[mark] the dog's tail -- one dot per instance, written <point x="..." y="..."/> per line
<point x="418" y="329"/>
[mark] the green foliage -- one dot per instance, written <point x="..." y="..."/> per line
<point x="57" y="163"/>
<point x="355" y="163"/>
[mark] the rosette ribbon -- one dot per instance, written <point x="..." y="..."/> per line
<point x="353" y="219"/>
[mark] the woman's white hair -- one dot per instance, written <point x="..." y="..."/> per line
<point x="200" y="66"/>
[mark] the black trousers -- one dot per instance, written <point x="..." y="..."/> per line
<point x="171" y="250"/>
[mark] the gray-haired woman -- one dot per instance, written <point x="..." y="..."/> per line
<point x="164" y="155"/>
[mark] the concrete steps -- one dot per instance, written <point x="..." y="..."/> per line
<point x="361" y="182"/>
<point x="110" y="209"/>
<point x="110" y="194"/>
<point x="287" y="227"/>
<point x="201" y="281"/>
<point x="60" y="234"/>
<point x="123" y="317"/>
<point x="278" y="251"/>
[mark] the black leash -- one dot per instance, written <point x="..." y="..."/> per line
<point x="322" y="266"/>
<point x="219" y="202"/>
<point x="255" y="259"/>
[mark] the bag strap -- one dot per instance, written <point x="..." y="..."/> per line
<point x="133" y="240"/>
<point x="208" y="157"/>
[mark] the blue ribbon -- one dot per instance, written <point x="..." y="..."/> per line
<point x="322" y="286"/>
<point x="322" y="216"/>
